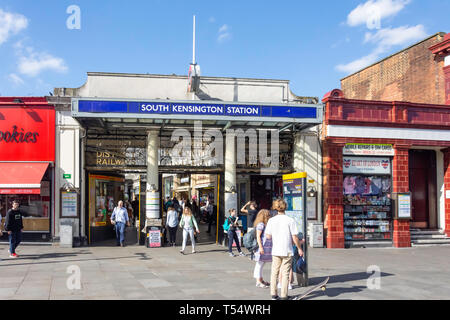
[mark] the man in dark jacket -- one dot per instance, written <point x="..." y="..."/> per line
<point x="14" y="227"/>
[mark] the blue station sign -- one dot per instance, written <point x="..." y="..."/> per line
<point x="82" y="107"/>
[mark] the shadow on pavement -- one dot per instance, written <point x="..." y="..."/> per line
<point x="61" y="261"/>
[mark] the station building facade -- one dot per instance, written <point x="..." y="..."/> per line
<point x="126" y="127"/>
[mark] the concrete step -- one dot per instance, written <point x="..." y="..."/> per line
<point x="431" y="241"/>
<point x="427" y="236"/>
<point x="426" y="232"/>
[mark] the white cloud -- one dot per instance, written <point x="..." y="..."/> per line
<point x="384" y="39"/>
<point x="11" y="24"/>
<point x="15" y="79"/>
<point x="224" y="33"/>
<point x="397" y="36"/>
<point x="34" y="63"/>
<point x="375" y="9"/>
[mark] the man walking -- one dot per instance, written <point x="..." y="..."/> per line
<point x="283" y="232"/>
<point x="119" y="218"/>
<point x="14" y="227"/>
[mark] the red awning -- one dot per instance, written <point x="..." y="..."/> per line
<point x="21" y="177"/>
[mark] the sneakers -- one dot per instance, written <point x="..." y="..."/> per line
<point x="275" y="298"/>
<point x="13" y="255"/>
<point x="182" y="251"/>
<point x="231" y="254"/>
<point x="242" y="254"/>
<point x="289" y="286"/>
<point x="261" y="285"/>
<point x="287" y="298"/>
<point x="193" y="251"/>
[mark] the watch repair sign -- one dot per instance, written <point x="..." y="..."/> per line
<point x="364" y="149"/>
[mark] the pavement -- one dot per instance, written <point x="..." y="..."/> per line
<point x="107" y="272"/>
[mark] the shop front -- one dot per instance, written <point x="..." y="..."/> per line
<point x="384" y="171"/>
<point x="27" y="157"/>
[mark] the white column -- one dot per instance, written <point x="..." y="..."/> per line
<point x="152" y="197"/>
<point x="230" y="173"/>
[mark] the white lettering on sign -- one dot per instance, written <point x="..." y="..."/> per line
<point x="368" y="149"/>
<point x="154" y="108"/>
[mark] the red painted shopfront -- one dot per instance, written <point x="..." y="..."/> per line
<point x="373" y="150"/>
<point x="27" y="157"/>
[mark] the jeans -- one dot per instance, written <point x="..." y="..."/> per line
<point x="120" y="232"/>
<point x="185" y="235"/>
<point x="232" y="235"/>
<point x="14" y="240"/>
<point x="172" y="234"/>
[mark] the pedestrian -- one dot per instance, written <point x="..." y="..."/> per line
<point x="188" y="223"/>
<point x="171" y="224"/>
<point x="119" y="218"/>
<point x="209" y="208"/>
<point x="294" y="262"/>
<point x="283" y="232"/>
<point x="232" y="235"/>
<point x="264" y="252"/>
<point x="251" y="212"/>
<point x="14" y="227"/>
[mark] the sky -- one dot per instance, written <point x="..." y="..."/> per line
<point x="314" y="44"/>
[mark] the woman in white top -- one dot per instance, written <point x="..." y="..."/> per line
<point x="171" y="224"/>
<point x="188" y="223"/>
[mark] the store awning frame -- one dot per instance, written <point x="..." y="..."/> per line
<point x="22" y="177"/>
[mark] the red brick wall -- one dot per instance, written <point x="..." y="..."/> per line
<point x="447" y="84"/>
<point x="413" y="75"/>
<point x="447" y="187"/>
<point x="400" y="182"/>
<point x="333" y="204"/>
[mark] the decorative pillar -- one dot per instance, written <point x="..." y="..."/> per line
<point x="152" y="193"/>
<point x="400" y="183"/>
<point x="333" y="194"/>
<point x="446" y="153"/>
<point x="230" y="173"/>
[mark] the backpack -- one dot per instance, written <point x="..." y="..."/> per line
<point x="250" y="240"/>
<point x="300" y="265"/>
<point x="226" y="225"/>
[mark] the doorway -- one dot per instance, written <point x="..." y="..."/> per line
<point x="422" y="184"/>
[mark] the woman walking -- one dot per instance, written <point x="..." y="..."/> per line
<point x="232" y="235"/>
<point x="264" y="252"/>
<point x="188" y="223"/>
<point x="171" y="224"/>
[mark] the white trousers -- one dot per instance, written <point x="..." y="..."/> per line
<point x="185" y="235"/>
<point x="258" y="272"/>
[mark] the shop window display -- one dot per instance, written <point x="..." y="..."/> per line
<point x="367" y="207"/>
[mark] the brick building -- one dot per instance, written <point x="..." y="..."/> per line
<point x="415" y="74"/>
<point x="376" y="155"/>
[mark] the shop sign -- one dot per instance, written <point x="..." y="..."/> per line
<point x="366" y="165"/>
<point x="27" y="133"/>
<point x="365" y="149"/>
<point x="202" y="109"/>
<point x="184" y="180"/>
<point x="67" y="176"/>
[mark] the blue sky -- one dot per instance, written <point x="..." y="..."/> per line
<point x="313" y="44"/>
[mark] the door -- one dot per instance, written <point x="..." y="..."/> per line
<point x="422" y="177"/>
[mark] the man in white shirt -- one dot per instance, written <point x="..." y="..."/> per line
<point x="120" y="217"/>
<point x="283" y="232"/>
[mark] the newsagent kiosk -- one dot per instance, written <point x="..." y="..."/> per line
<point x="385" y="165"/>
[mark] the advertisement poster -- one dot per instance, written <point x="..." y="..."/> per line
<point x="69" y="204"/>
<point x="404" y="206"/>
<point x="154" y="238"/>
<point x="293" y="195"/>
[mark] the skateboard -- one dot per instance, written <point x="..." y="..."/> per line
<point x="322" y="285"/>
